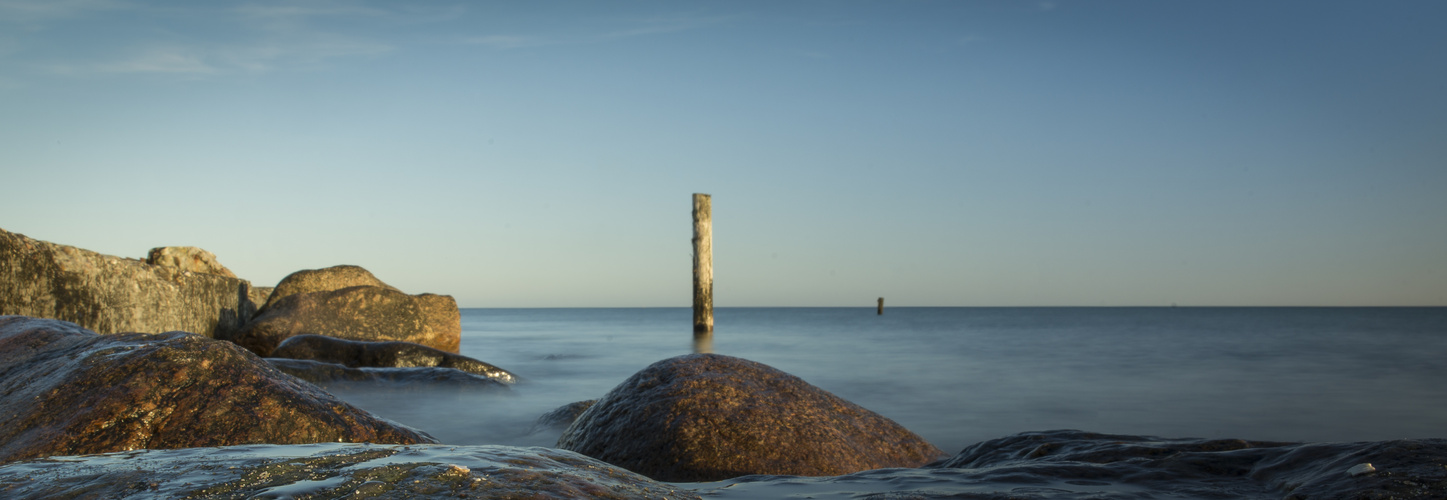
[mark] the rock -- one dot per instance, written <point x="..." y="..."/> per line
<point x="561" y="417"/>
<point x="328" y="375"/>
<point x="259" y="295"/>
<point x="708" y="417"/>
<point x="323" y="280"/>
<point x="65" y="390"/>
<point x="109" y="294"/>
<point x="367" y="313"/>
<point x="331" y="471"/>
<point x="357" y="354"/>
<point x="190" y="259"/>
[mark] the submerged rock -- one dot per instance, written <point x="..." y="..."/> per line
<point x="358" y="354"/>
<point x="706" y="417"/>
<point x="327" y="375"/>
<point x="109" y="294"/>
<point x="65" y="390"/>
<point x="331" y="471"/>
<point x="324" y="280"/>
<point x="191" y="259"/>
<point x="367" y="313"/>
<point x="561" y="417"/>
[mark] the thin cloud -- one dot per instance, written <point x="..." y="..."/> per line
<point x="510" y="41"/>
<point x="28" y="11"/>
<point x="638" y="28"/>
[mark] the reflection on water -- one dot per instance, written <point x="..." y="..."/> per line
<point x="703" y="342"/>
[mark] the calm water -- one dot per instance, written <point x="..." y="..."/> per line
<point x="958" y="376"/>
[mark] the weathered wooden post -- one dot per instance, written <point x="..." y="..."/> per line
<point x="881" y="306"/>
<point x="702" y="263"/>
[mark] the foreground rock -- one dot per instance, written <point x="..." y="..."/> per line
<point x="65" y="390"/>
<point x="357" y="354"/>
<point x="331" y="471"/>
<point x="324" y="280"/>
<point x="366" y="313"/>
<point x="329" y="375"/>
<point x="190" y="259"/>
<point x="109" y="294"/>
<point x="706" y="417"/>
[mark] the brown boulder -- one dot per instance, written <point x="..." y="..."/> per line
<point x="323" y="280"/>
<point x="190" y="259"/>
<point x="65" y="390"/>
<point x="358" y="354"/>
<point x="708" y="417"/>
<point x="367" y="313"/>
<point x="110" y="294"/>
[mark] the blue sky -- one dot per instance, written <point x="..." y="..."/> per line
<point x="933" y="153"/>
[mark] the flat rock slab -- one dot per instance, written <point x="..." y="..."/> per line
<point x="367" y="313"/>
<point x="707" y="417"/>
<point x="329" y="375"/>
<point x="65" y="390"/>
<point x="360" y="354"/>
<point x="331" y="471"/>
<point x="110" y="294"/>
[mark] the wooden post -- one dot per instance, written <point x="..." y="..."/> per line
<point x="881" y="306"/>
<point x="702" y="263"/>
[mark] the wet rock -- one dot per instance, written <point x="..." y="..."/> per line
<point x="331" y="471"/>
<point x="357" y="354"/>
<point x="190" y="259"/>
<point x="328" y="375"/>
<point x="366" y="313"/>
<point x="109" y="294"/>
<point x="706" y="417"/>
<point x="65" y="390"/>
<point x="324" y="280"/>
<point x="1202" y="468"/>
<point x="561" y="417"/>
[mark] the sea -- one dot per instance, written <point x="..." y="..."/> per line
<point x="963" y="376"/>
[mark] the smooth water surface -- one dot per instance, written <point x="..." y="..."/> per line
<point x="958" y="376"/>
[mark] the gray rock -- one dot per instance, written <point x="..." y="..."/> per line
<point x="332" y="471"/>
<point x="329" y="375"/>
<point x="109" y="294"/>
<point x="708" y="417"/>
<point x="367" y="313"/>
<point x="358" y="354"/>
<point x="190" y="259"/>
<point x="323" y="280"/>
<point x="65" y="390"/>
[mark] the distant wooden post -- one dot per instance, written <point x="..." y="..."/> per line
<point x="702" y="263"/>
<point x="881" y="306"/>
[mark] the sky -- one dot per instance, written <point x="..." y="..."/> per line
<point x="544" y="154"/>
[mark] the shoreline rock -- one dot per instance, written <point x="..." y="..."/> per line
<point x="708" y="417"/>
<point x="327" y="375"/>
<point x="108" y="294"/>
<point x="362" y="354"/>
<point x="65" y="390"/>
<point x="366" y="313"/>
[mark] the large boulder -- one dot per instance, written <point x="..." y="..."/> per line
<point x="323" y="280"/>
<point x="191" y="259"/>
<point x="708" y="417"/>
<point x="368" y="313"/>
<point x="65" y="390"/>
<point x="358" y="354"/>
<point x="109" y="294"/>
<point x="332" y="471"/>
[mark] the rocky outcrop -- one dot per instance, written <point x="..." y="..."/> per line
<point x="65" y="390"/>
<point x="332" y="471"/>
<point x="259" y="295"/>
<point x="367" y="313"/>
<point x="328" y="375"/>
<point x="190" y="259"/>
<point x="109" y="294"/>
<point x="708" y="417"/>
<point x="357" y="354"/>
<point x="324" y="280"/>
